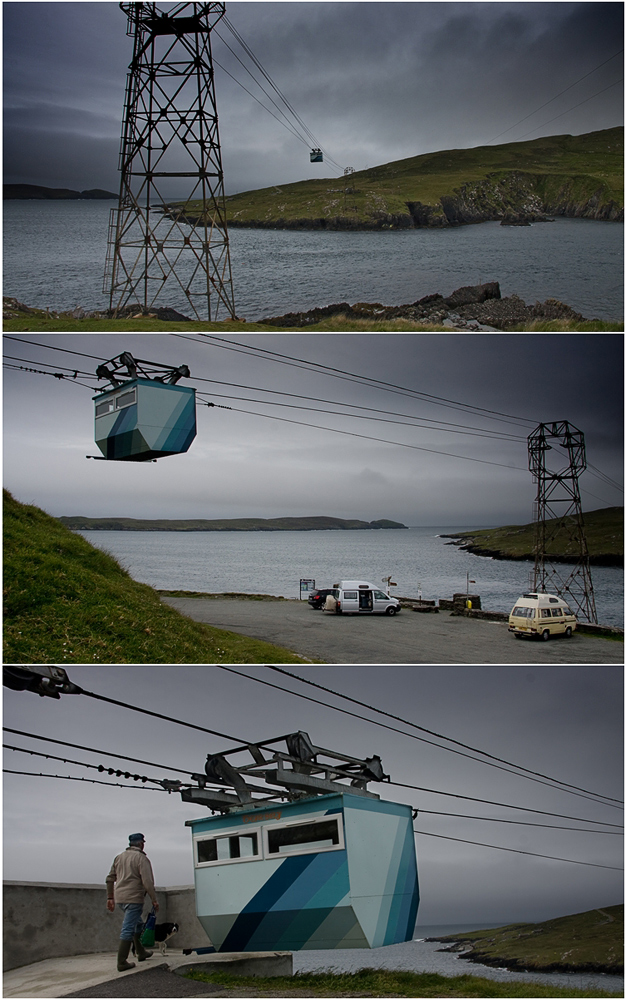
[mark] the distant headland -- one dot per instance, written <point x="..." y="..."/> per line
<point x="226" y="524"/>
<point x="33" y="192"/>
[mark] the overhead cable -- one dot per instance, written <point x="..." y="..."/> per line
<point x="531" y="776"/>
<point x="441" y="736"/>
<point x="367" y="437"/>
<point x="560" y="94"/>
<point x="514" y="850"/>
<point x="90" y="781"/>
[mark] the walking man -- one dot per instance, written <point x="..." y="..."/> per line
<point x="127" y="883"/>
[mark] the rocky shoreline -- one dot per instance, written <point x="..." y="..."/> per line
<point x="472" y="308"/>
<point x="463" y="946"/>
<point x="606" y="559"/>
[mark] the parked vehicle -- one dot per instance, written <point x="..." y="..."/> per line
<point x="357" y="597"/>
<point x="318" y="597"/>
<point x="538" y="616"/>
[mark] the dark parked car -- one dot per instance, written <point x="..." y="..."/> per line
<point x="317" y="598"/>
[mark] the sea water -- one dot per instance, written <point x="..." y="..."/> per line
<point x="54" y="255"/>
<point x="274" y="562"/>
<point x="426" y="956"/>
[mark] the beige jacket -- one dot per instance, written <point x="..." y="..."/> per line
<point x="131" y="877"/>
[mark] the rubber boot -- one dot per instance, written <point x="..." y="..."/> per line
<point x="140" y="951"/>
<point x="122" y="955"/>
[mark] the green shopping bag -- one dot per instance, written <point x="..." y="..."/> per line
<point x="147" y="937"/>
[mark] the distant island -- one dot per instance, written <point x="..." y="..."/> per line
<point x="33" y="192"/>
<point x="225" y="524"/>
<point x="515" y="183"/>
<point x="604" y="530"/>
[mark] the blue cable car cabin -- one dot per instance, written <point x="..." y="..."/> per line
<point x="317" y="156"/>
<point x="144" y="419"/>
<point x="332" y="871"/>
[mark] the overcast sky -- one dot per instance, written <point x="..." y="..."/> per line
<point x="374" y="82"/>
<point x="564" y="722"/>
<point x="242" y="464"/>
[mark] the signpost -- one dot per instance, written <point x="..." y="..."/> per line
<point x="306" y="586"/>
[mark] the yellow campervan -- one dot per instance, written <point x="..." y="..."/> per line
<point x="539" y="616"/>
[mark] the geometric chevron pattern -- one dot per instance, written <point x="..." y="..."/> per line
<point x="143" y="420"/>
<point x="362" y="893"/>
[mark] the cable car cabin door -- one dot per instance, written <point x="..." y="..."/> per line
<point x="143" y="420"/>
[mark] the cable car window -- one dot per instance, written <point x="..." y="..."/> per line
<point x="105" y="407"/>
<point x="125" y="399"/>
<point x="321" y="835"/>
<point x="230" y="847"/>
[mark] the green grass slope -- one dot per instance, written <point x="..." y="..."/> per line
<point x="604" y="530"/>
<point x="68" y="602"/>
<point x="590" y="941"/>
<point x="563" y="174"/>
<point x="382" y="983"/>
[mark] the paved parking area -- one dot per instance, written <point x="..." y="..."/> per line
<point x="406" y="638"/>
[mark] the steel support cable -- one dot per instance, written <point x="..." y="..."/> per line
<point x="276" y="89"/>
<point x="519" y="822"/>
<point x="422" y="739"/>
<point x="366" y="380"/>
<point x="514" y="850"/>
<point x="579" y="105"/>
<point x="368" y="437"/>
<point x="66" y="350"/>
<point x="428" y="422"/>
<point x="94" y="767"/>
<point x="466" y="746"/>
<point x="105" y="753"/>
<point x="508" y="805"/>
<point x="56" y="375"/>
<point x="90" y="781"/>
<point x="490" y="435"/>
<point x="287" y="124"/>
<point x="254" y="98"/>
<point x="560" y="94"/>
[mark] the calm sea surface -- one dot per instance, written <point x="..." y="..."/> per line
<point x="274" y="562"/>
<point x="424" y="956"/>
<point x="54" y="255"/>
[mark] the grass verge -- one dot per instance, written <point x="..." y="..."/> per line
<point x="68" y="602"/>
<point x="384" y="983"/>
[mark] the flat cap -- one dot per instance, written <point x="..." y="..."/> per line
<point x="135" y="837"/>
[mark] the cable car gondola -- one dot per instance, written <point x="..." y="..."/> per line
<point x="317" y="156"/>
<point x="336" y="868"/>
<point x="145" y="415"/>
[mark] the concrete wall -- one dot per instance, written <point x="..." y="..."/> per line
<point x="52" y="919"/>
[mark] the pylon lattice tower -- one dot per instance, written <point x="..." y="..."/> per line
<point x="558" y="518"/>
<point x="170" y="141"/>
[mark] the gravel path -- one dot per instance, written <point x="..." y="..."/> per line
<point x="406" y="638"/>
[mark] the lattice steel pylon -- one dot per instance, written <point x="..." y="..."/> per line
<point x="559" y="526"/>
<point x="170" y="140"/>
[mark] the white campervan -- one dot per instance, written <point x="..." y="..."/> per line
<point x="541" y="615"/>
<point x="357" y="597"/>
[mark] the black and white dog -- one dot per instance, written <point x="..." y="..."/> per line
<point x="162" y="934"/>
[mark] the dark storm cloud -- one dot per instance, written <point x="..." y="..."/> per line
<point x="565" y="722"/>
<point x="374" y="82"/>
<point x="266" y="468"/>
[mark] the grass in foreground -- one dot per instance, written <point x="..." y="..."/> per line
<point x="68" y="602"/>
<point x="42" y="321"/>
<point x="386" y="983"/>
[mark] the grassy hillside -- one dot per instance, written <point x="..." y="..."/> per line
<point x="67" y="602"/>
<point x="382" y="983"/>
<point x="225" y="524"/>
<point x="604" y="530"/>
<point x="590" y="941"/>
<point x="563" y="174"/>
